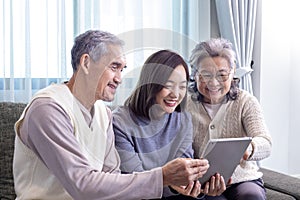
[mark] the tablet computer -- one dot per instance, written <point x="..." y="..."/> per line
<point x="224" y="156"/>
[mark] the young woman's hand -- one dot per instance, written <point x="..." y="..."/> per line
<point x="215" y="186"/>
<point x="193" y="189"/>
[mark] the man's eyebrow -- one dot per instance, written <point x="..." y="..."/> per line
<point x="118" y="64"/>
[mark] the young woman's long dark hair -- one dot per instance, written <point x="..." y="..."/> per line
<point x="153" y="77"/>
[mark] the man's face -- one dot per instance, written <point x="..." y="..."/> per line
<point x="110" y="67"/>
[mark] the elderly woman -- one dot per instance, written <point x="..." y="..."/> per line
<point x="220" y="109"/>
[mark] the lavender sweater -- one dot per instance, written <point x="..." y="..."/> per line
<point x="143" y="144"/>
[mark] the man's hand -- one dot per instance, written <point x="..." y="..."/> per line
<point x="182" y="171"/>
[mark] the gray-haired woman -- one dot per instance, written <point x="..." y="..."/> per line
<point x="220" y="109"/>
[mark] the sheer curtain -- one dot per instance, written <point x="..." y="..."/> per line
<point x="237" y="23"/>
<point x="34" y="38"/>
<point x="37" y="37"/>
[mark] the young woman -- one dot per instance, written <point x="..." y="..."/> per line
<point x="220" y="109"/>
<point x="153" y="128"/>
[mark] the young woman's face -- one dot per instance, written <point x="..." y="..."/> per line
<point x="214" y="78"/>
<point x="173" y="91"/>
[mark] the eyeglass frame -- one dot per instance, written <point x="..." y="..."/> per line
<point x="215" y="76"/>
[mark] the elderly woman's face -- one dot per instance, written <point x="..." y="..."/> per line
<point x="213" y="79"/>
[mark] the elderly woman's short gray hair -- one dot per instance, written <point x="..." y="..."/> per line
<point x="215" y="47"/>
<point x="212" y="48"/>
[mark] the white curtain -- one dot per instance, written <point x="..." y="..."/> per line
<point x="34" y="38"/>
<point x="237" y="23"/>
<point x="37" y="37"/>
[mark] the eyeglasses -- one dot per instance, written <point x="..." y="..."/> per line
<point x="219" y="76"/>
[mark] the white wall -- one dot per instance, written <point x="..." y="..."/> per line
<point x="279" y="88"/>
<point x="294" y="158"/>
<point x="294" y="137"/>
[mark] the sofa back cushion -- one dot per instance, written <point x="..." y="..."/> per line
<point x="9" y="114"/>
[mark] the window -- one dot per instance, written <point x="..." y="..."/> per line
<point x="37" y="37"/>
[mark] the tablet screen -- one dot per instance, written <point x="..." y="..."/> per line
<point x="224" y="155"/>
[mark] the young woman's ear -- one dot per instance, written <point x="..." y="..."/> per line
<point x="84" y="63"/>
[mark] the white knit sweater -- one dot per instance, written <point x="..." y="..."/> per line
<point x="235" y="118"/>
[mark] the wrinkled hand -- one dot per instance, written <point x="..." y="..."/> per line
<point x="215" y="186"/>
<point x="229" y="181"/>
<point x="245" y="158"/>
<point x="193" y="189"/>
<point x="182" y="171"/>
<point x="246" y="155"/>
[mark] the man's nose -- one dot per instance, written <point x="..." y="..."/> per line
<point x="118" y="77"/>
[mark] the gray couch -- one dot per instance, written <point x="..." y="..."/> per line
<point x="279" y="186"/>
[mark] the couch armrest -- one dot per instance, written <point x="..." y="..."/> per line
<point x="281" y="182"/>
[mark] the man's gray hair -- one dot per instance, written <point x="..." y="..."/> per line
<point x="94" y="43"/>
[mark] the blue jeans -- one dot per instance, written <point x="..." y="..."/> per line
<point x="248" y="190"/>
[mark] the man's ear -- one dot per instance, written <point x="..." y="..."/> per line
<point x="85" y="63"/>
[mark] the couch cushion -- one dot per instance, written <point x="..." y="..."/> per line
<point x="281" y="182"/>
<point x="9" y="114"/>
<point x="274" y="195"/>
